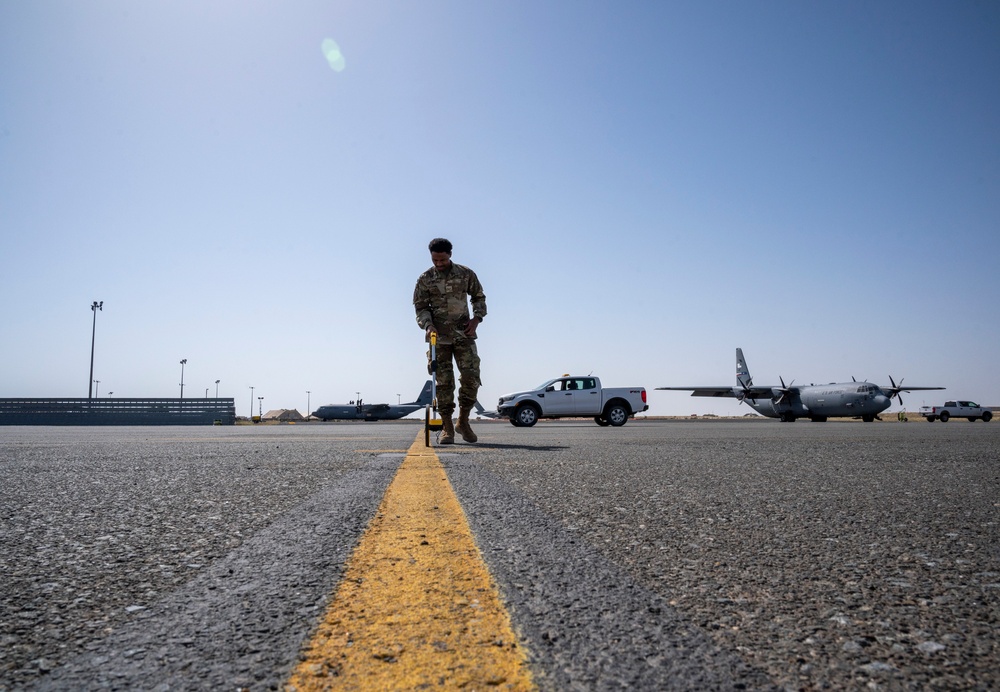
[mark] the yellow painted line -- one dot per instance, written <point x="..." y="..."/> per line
<point x="416" y="607"/>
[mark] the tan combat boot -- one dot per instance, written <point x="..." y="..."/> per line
<point x="447" y="436"/>
<point x="463" y="426"/>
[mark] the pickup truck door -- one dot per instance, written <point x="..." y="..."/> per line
<point x="586" y="396"/>
<point x="558" y="399"/>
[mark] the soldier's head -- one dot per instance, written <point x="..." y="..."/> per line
<point x="440" y="253"/>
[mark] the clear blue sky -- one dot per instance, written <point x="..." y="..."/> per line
<point x="641" y="187"/>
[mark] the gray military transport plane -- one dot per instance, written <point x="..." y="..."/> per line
<point x="372" y="412"/>
<point x="817" y="402"/>
<point x="483" y="413"/>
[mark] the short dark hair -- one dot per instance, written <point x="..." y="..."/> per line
<point x="440" y="245"/>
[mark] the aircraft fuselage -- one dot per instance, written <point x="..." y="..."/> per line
<point x="349" y="412"/>
<point x="818" y="402"/>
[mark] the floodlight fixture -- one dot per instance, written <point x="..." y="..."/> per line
<point x="95" y="306"/>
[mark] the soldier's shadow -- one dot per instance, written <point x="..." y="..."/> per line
<point x="526" y="448"/>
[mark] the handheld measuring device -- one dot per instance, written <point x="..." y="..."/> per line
<point x="432" y="421"/>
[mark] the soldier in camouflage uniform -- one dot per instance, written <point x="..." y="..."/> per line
<point x="441" y="300"/>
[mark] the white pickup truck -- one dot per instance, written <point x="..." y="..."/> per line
<point x="956" y="409"/>
<point x="573" y="397"/>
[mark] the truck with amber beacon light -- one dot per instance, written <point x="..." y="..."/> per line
<point x="573" y="397"/>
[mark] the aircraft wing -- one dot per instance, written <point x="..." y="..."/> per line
<point x="908" y="388"/>
<point x="731" y="392"/>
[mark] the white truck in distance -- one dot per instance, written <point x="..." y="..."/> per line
<point x="573" y="397"/>
<point x="956" y="409"/>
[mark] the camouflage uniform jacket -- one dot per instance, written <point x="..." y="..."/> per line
<point x="439" y="298"/>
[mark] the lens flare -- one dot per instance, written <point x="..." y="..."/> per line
<point x="331" y="51"/>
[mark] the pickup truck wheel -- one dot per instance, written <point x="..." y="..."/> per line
<point x="603" y="422"/>
<point x="944" y="416"/>
<point x="526" y="415"/>
<point x="972" y="419"/>
<point x="931" y="419"/>
<point x="616" y="415"/>
<point x="987" y="415"/>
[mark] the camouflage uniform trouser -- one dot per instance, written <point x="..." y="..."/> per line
<point x="465" y="354"/>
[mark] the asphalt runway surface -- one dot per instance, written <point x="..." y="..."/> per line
<point x="659" y="555"/>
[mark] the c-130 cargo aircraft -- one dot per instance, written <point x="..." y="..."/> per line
<point x="358" y="410"/>
<point x="817" y="402"/>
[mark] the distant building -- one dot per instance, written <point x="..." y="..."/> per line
<point x="283" y="414"/>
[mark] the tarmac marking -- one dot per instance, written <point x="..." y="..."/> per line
<point x="417" y="606"/>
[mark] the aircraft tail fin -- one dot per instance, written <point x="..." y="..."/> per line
<point x="425" y="395"/>
<point x="483" y="412"/>
<point x="743" y="378"/>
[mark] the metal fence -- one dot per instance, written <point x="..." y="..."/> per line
<point x="110" y="411"/>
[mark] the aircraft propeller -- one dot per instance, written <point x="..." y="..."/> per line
<point x="746" y="393"/>
<point x="785" y="390"/>
<point x="896" y="389"/>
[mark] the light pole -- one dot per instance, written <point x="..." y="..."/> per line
<point x="217" y="388"/>
<point x="251" y="401"/>
<point x="308" y="405"/>
<point x="206" y="392"/>
<point x="183" y="363"/>
<point x="398" y="399"/>
<point x="109" y="394"/>
<point x="98" y="383"/>
<point x="260" y="408"/>
<point x="93" y="333"/>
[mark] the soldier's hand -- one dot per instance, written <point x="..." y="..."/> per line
<point x="470" y="328"/>
<point x="431" y="329"/>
